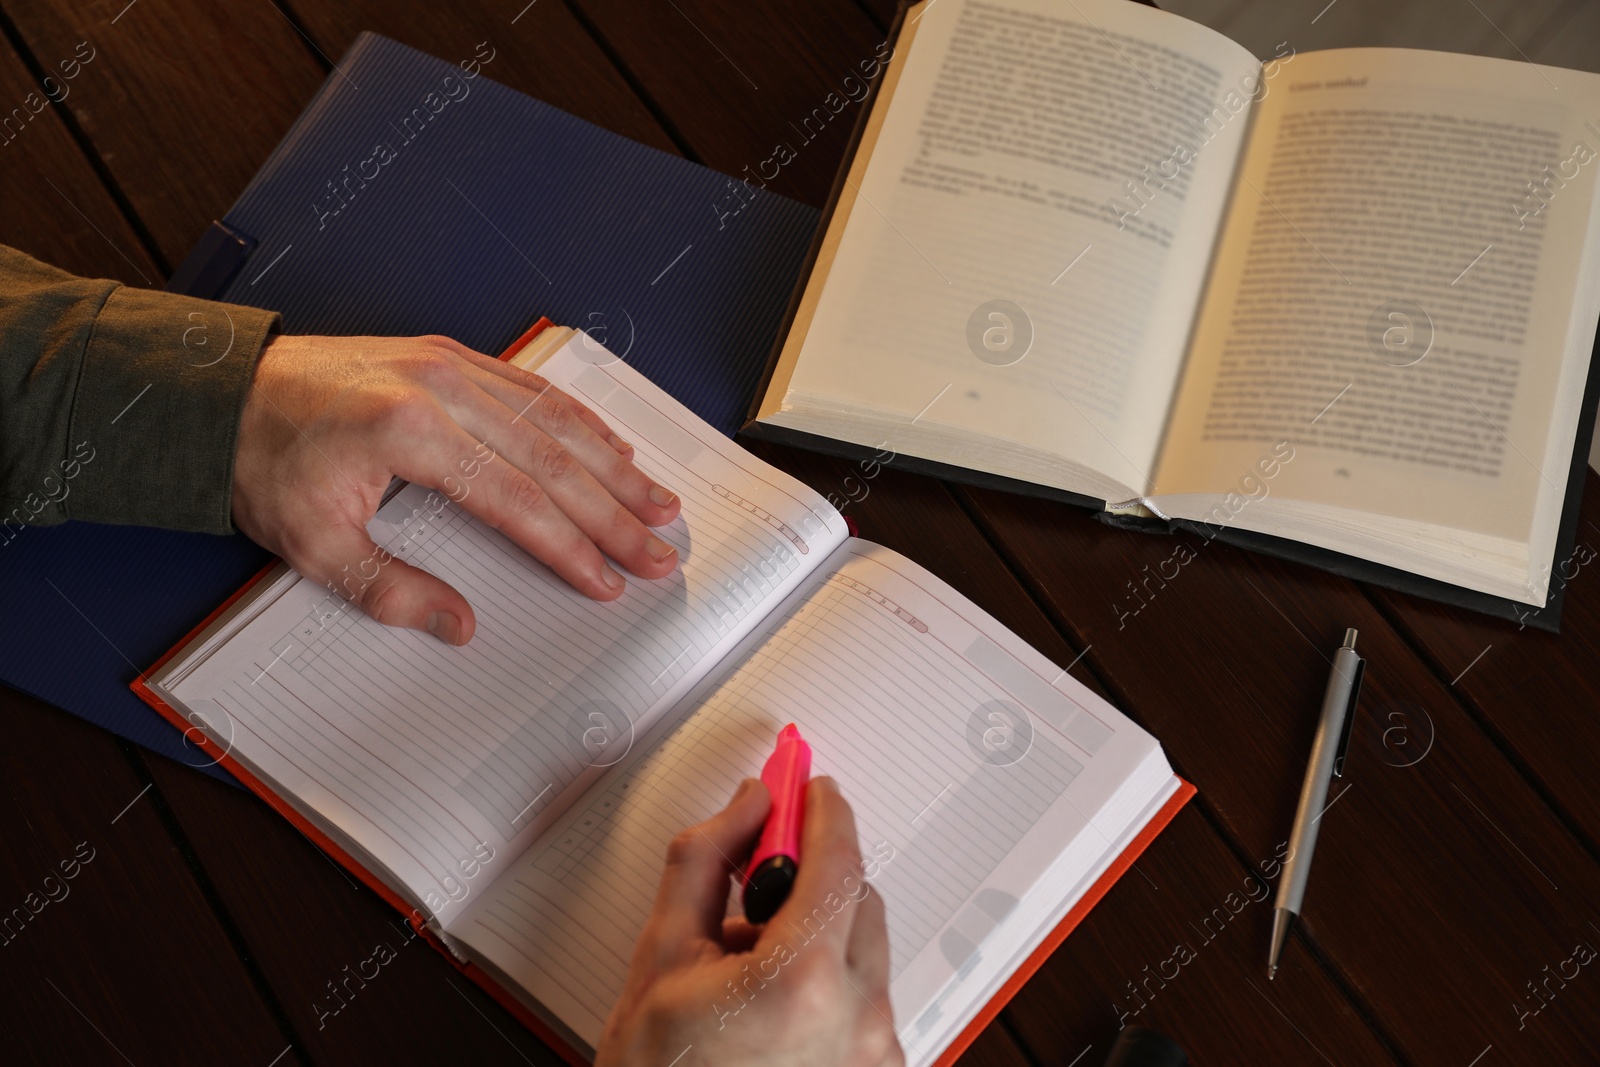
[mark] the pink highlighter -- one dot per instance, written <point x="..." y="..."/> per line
<point x="772" y="869"/>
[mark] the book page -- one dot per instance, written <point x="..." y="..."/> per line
<point x="1405" y="293"/>
<point x="974" y="766"/>
<point x="1029" y="223"/>
<point x="440" y="763"/>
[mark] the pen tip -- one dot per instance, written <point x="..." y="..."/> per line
<point x="1282" y="918"/>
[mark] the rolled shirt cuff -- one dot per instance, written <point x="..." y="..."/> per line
<point x="155" y="422"/>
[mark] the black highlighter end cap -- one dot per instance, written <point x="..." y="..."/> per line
<point x="768" y="888"/>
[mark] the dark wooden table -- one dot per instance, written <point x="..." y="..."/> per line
<point x="1454" y="878"/>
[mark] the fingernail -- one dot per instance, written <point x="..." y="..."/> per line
<point x="612" y="579"/>
<point x="619" y="444"/>
<point x="662" y="498"/>
<point x="445" y="626"/>
<point x="659" y="550"/>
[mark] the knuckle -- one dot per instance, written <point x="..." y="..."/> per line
<point x="872" y="1040"/>
<point x="430" y="366"/>
<point x="522" y="495"/>
<point x="818" y="973"/>
<point x="407" y="414"/>
<point x="552" y="460"/>
<point x="380" y="601"/>
<point x="429" y="363"/>
<point x="879" y="1043"/>
<point x="555" y="412"/>
<point x="842" y="854"/>
<point x="686" y="847"/>
<point x="817" y="989"/>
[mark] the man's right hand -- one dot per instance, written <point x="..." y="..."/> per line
<point x="810" y="988"/>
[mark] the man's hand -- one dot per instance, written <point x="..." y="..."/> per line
<point x="330" y="420"/>
<point x="811" y="987"/>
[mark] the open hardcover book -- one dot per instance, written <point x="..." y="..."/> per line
<point x="1344" y="299"/>
<point x="516" y="796"/>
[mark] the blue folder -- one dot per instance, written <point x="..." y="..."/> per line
<point x="411" y="199"/>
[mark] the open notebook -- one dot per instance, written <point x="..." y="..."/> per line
<point x="517" y="795"/>
<point x="1342" y="300"/>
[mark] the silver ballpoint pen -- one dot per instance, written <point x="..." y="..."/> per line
<point x="1327" y="761"/>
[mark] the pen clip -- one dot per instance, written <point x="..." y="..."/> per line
<point x="1349" y="719"/>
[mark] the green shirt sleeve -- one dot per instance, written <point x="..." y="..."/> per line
<point x="119" y="405"/>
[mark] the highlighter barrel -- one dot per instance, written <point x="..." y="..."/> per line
<point x="776" y="860"/>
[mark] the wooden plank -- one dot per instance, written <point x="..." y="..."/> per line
<point x="56" y="208"/>
<point x="1495" y="28"/>
<point x="1179" y="948"/>
<point x="115" y="953"/>
<point x="1441" y="886"/>
<point x="1064" y="1007"/>
<point x="737" y="82"/>
<point x="1535" y="692"/>
<point x="541" y="50"/>
<point x="310" y="924"/>
<point x="130" y="957"/>
<point x="1568" y="39"/>
<point x="881" y="12"/>
<point x="183" y="100"/>
<point x="995" y="1048"/>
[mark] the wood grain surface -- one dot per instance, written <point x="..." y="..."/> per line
<point x="1457" y="867"/>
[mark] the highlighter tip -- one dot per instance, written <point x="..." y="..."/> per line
<point x="789" y="733"/>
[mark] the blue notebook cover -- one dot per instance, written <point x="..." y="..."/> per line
<point x="410" y="199"/>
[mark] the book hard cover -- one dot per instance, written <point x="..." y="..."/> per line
<point x="514" y="797"/>
<point x="1337" y="306"/>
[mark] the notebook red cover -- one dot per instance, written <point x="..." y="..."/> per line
<point x="1069" y="922"/>
<point x="504" y="997"/>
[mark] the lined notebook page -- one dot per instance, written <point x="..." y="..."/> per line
<point x="971" y="761"/>
<point x="443" y="762"/>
